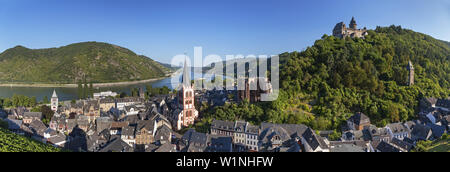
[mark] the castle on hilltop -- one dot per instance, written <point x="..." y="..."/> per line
<point x="341" y="31"/>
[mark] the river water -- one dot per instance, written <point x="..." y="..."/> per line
<point x="72" y="93"/>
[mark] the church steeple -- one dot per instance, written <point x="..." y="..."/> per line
<point x="54" y="93"/>
<point x="186" y="74"/>
<point x="54" y="101"/>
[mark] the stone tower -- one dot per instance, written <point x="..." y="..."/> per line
<point x="410" y="69"/>
<point x="54" y="101"/>
<point x="353" y="23"/>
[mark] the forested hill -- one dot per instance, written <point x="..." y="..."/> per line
<point x="99" y="62"/>
<point x="335" y="78"/>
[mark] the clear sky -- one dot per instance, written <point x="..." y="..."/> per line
<point x="161" y="29"/>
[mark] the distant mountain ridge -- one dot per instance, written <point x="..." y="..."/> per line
<point x="98" y="62"/>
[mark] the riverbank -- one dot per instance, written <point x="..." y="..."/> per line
<point x="95" y="85"/>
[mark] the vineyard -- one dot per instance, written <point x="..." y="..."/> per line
<point x="10" y="142"/>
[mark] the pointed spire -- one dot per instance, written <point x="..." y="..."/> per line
<point x="54" y="93"/>
<point x="186" y="74"/>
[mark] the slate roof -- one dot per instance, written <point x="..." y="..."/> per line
<point x="252" y="129"/>
<point x="167" y="147"/>
<point x="386" y="147"/>
<point x="14" y="124"/>
<point x="128" y="131"/>
<point x="147" y="124"/>
<point x="107" y="100"/>
<point x="117" y="145"/>
<point x="118" y="125"/>
<point x="57" y="139"/>
<point x="420" y="132"/>
<point x="360" y="118"/>
<point x="196" y="142"/>
<point x="347" y="148"/>
<point x="293" y="130"/>
<point x="402" y="144"/>
<point x="37" y="115"/>
<point x="222" y="125"/>
<point x="276" y="130"/>
<point x="220" y="144"/>
<point x="313" y="140"/>
<point x="397" y="127"/>
<point x="239" y="126"/>
<point x="443" y="103"/>
<point x="437" y="130"/>
<point x="163" y="133"/>
<point x="38" y="127"/>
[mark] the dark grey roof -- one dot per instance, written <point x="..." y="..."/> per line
<point x="128" y="130"/>
<point x="107" y="100"/>
<point x="147" y="124"/>
<point x="220" y="144"/>
<point x="347" y="148"/>
<point x="196" y="142"/>
<point x="402" y="144"/>
<point x="313" y="140"/>
<point x="58" y="138"/>
<point x="397" y="127"/>
<point x="117" y="145"/>
<point x="293" y="130"/>
<point x="421" y="132"/>
<point x="438" y="130"/>
<point x="167" y="147"/>
<point x="360" y="118"/>
<point x="386" y="147"/>
<point x="129" y="99"/>
<point x="222" y="125"/>
<point x="443" y="103"/>
<point x="163" y="133"/>
<point x="32" y="115"/>
<point x="252" y="129"/>
<point x="151" y="148"/>
<point x="38" y="127"/>
<point x="131" y="119"/>
<point x="14" y="124"/>
<point x="239" y="126"/>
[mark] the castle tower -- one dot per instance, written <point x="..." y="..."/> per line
<point x="54" y="101"/>
<point x="353" y="23"/>
<point x="186" y="99"/>
<point x="410" y="68"/>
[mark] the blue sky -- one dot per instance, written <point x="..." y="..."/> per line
<point x="161" y="29"/>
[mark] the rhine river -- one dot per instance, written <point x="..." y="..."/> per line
<point x="72" y="93"/>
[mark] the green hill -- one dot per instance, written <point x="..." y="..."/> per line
<point x="99" y="62"/>
<point x="10" y="142"/>
<point x="337" y="77"/>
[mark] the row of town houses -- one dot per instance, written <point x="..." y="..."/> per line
<point x="151" y="131"/>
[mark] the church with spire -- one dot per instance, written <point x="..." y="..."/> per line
<point x="185" y="114"/>
<point x="54" y="101"/>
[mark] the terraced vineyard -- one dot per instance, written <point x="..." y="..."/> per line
<point x="11" y="142"/>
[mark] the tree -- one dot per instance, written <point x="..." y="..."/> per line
<point x="85" y="91"/>
<point x="91" y="90"/>
<point x="4" y="124"/>
<point x="33" y="101"/>
<point x="80" y="90"/>
<point x="45" y="100"/>
<point x="47" y="114"/>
